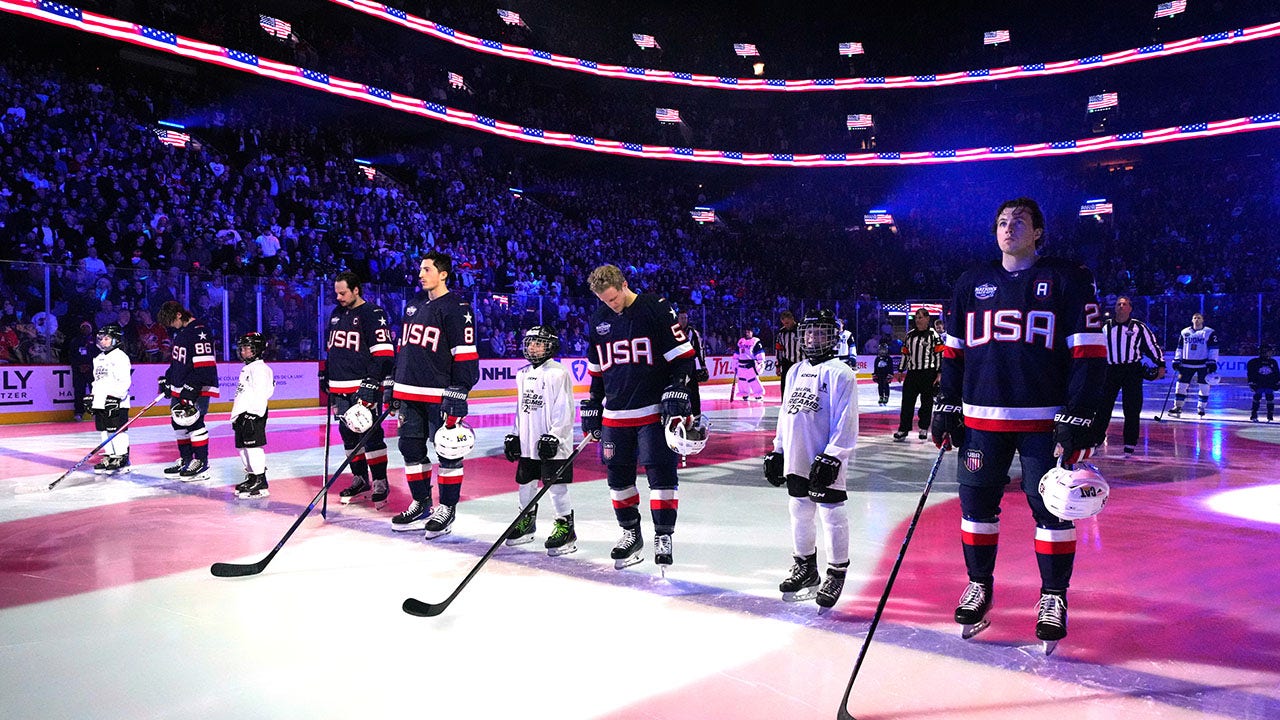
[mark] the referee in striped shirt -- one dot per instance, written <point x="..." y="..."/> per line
<point x="787" y="348"/>
<point x="921" y="365"/>
<point x="1128" y="341"/>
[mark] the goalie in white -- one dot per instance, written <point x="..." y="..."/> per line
<point x="817" y="431"/>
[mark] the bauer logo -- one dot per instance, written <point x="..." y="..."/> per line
<point x="985" y="291"/>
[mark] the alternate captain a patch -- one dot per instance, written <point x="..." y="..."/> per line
<point x="1044" y="288"/>
<point x="973" y="459"/>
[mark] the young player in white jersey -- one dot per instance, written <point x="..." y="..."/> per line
<point x="817" y="431"/>
<point x="543" y="439"/>
<point x="249" y="414"/>
<point x="109" y="399"/>
<point x="750" y="357"/>
<point x="1195" y="360"/>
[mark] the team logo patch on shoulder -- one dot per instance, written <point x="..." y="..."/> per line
<point x="973" y="460"/>
<point x="333" y="320"/>
<point x="606" y="450"/>
<point x="985" y="291"/>
<point x="411" y="310"/>
<point x="603" y="328"/>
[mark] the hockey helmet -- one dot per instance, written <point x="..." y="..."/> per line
<point x="1074" y="494"/>
<point x="818" y="335"/>
<point x="453" y="443"/>
<point x="1213" y="378"/>
<point x="256" y="342"/>
<point x="540" y="344"/>
<point x="358" y="418"/>
<point x="1150" y="372"/>
<point x="184" y="414"/>
<point x="109" y="337"/>
<point x="687" y="436"/>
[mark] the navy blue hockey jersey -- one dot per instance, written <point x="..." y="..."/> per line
<point x="437" y="348"/>
<point x="193" y="368"/>
<point x="634" y="356"/>
<point x="360" y="348"/>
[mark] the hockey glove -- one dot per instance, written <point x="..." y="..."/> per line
<point x="244" y="421"/>
<point x="388" y="392"/>
<point x="111" y="404"/>
<point x="189" y="394"/>
<point x="369" y="393"/>
<point x="162" y="385"/>
<point x="323" y="376"/>
<point x="824" y="471"/>
<point x="1212" y="366"/>
<point x="1073" y="433"/>
<point x="592" y="422"/>
<point x="511" y="447"/>
<point x="548" y="446"/>
<point x="675" y="402"/>
<point x="947" y="426"/>
<point x="701" y="375"/>
<point x="1177" y="366"/>
<point x="88" y="401"/>
<point x="453" y="401"/>
<point x="773" y="469"/>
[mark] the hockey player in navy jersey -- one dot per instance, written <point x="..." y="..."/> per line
<point x="192" y="378"/>
<point x="358" y="375"/>
<point x="435" y="369"/>
<point x="1263" y="374"/>
<point x="1022" y="372"/>
<point x="1195" y="359"/>
<point x="812" y="449"/>
<point x="639" y="361"/>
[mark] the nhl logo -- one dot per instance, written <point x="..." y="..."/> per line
<point x="985" y="291"/>
<point x="606" y="450"/>
<point x="603" y="328"/>
<point x="973" y="460"/>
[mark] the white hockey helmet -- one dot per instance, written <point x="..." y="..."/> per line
<point x="1074" y="494"/>
<point x="453" y="443"/>
<point x="184" y="414"/>
<point x="686" y="436"/>
<point x="1213" y="378"/>
<point x="357" y="418"/>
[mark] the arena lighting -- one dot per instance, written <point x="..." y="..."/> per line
<point x="590" y="67"/>
<point x="757" y="69"/>
<point x="1255" y="504"/>
<point x="164" y="41"/>
<point x="168" y="123"/>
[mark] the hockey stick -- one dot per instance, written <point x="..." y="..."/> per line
<point x="843" y="714"/>
<point x="733" y="389"/>
<point x="425" y="609"/>
<point x="1163" y="405"/>
<point x="328" y="430"/>
<point x="109" y="438"/>
<point x="242" y="570"/>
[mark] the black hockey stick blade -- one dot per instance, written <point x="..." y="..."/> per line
<point x="104" y="443"/>
<point x="426" y="609"/>
<point x="247" y="569"/>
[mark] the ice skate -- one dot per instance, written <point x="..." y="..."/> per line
<point x="563" y="540"/>
<point x="413" y="518"/>
<point x="114" y="465"/>
<point x="662" y="552"/>
<point x="441" y="521"/>
<point x="195" y="470"/>
<point x="1200" y="412"/>
<point x="522" y="533"/>
<point x="627" y="552"/>
<point x="254" y="487"/>
<point x="176" y="467"/>
<point x="100" y="467"/>
<point x="1051" y="620"/>
<point x="1253" y="417"/>
<point x="1175" y="411"/>
<point x="899" y="436"/>
<point x="380" y="493"/>
<point x="924" y="435"/>
<point x="803" y="582"/>
<point x="248" y="482"/>
<point x="972" y="611"/>
<point x="831" y="588"/>
<point x="357" y="491"/>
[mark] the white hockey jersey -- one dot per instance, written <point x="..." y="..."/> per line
<point x="1197" y="347"/>
<point x="749" y="353"/>
<point x="256" y="386"/>
<point x="544" y="407"/>
<point x="818" y="415"/>
<point x="111" y="375"/>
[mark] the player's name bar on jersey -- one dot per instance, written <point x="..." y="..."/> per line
<point x="745" y="50"/>
<point x="676" y="77"/>
<point x="172" y="137"/>
<point x="1103" y="101"/>
<point x="995" y="37"/>
<point x="1094" y="208"/>
<point x="851" y="48"/>
<point x="667" y="115"/>
<point x="105" y="26"/>
<point x="877" y="217"/>
<point x="644" y="41"/>
<point x="703" y="215"/>
<point x="859" y="121"/>
<point x="1169" y="9"/>
<point x="511" y="18"/>
<point x="275" y="27"/>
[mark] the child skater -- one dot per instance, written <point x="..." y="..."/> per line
<point x="249" y="415"/>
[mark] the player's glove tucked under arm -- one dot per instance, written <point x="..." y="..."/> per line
<point x="369" y="392"/>
<point x="591" y="412"/>
<point x="675" y="401"/>
<point x="548" y="446"/>
<point x="1073" y="432"/>
<point x="824" y="471"/>
<point x="511" y="447"/>
<point x="111" y="404"/>
<point x="1212" y="366"/>
<point x="773" y="469"/>
<point x="947" y="425"/>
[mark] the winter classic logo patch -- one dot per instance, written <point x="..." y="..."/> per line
<point x="973" y="460"/>
<point x="603" y="328"/>
<point x="985" y="291"/>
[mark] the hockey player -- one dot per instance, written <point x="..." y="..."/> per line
<point x="1195" y="358"/>
<point x="361" y="361"/>
<point x="435" y="369"/>
<point x="639" y="361"/>
<point x="750" y="357"/>
<point x="249" y="414"/>
<point x="700" y="373"/>
<point x="109" y="398"/>
<point x="817" y="431"/>
<point x="192" y="378"/>
<point x="1264" y="377"/>
<point x="542" y="439"/>
<point x="846" y="346"/>
<point x="883" y="371"/>
<point x="1021" y="372"/>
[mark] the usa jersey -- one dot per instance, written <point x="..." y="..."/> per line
<point x="749" y="352"/>
<point x="1197" y="347"/>
<point x="544" y="406"/>
<point x="111" y="376"/>
<point x="256" y="386"/>
<point x="818" y="415"/>
<point x="437" y="348"/>
<point x="360" y="348"/>
<point x="191" y="362"/>
<point x="1023" y="345"/>
<point x="634" y="356"/>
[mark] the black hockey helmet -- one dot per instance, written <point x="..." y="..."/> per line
<point x="113" y="334"/>
<point x="1150" y="372"/>
<point x="257" y="344"/>
<point x="818" y="335"/>
<point x="543" y="336"/>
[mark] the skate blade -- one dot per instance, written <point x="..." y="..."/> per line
<point x="379" y="504"/>
<point x="562" y="550"/>
<point x="628" y="561"/>
<point x="258" y="496"/>
<point x="800" y="595"/>
<point x="662" y="568"/>
<point x="969" y="631"/>
<point x="410" y="527"/>
<point x="353" y="498"/>
<point x="433" y="534"/>
<point x="522" y="540"/>
<point x="1049" y="646"/>
<point x="194" y="478"/>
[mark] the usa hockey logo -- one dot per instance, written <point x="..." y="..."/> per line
<point x="606" y="450"/>
<point x="985" y="291"/>
<point x="411" y="310"/>
<point x="973" y="460"/>
<point x="603" y="328"/>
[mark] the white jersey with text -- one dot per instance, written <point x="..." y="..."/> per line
<point x="749" y="353"/>
<point x="544" y="406"/>
<point x="256" y="386"/>
<point x="1196" y="347"/>
<point x="360" y="348"/>
<point x="819" y="415"/>
<point x="111" y="376"/>
<point x="437" y="348"/>
<point x="634" y="355"/>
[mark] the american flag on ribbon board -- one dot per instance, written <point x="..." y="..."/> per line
<point x="644" y="41"/>
<point x="275" y="27"/>
<point x="894" y="308"/>
<point x="858" y="121"/>
<point x="745" y="49"/>
<point x="667" y="115"/>
<point x="995" y="37"/>
<point x="1093" y="208"/>
<point x="851" y="48"/>
<point x="172" y="137"/>
<point x="1169" y="9"/>
<point x="934" y="309"/>
<point x="1103" y="101"/>
<point x="703" y="214"/>
<point x="369" y="171"/>
<point x="457" y="81"/>
<point x="511" y="18"/>
<point x="877" y="217"/>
